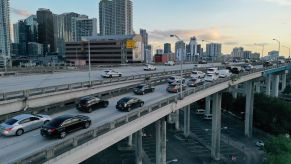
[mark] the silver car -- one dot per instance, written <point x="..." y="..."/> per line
<point x="23" y="123"/>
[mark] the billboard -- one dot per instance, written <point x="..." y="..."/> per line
<point x="130" y="44"/>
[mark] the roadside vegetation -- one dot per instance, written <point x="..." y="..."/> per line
<point x="271" y="115"/>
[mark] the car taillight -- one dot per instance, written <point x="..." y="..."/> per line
<point x="51" y="130"/>
<point x="8" y="129"/>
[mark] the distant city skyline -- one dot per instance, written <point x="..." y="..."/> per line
<point x="242" y="23"/>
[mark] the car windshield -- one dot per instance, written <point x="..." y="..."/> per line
<point x="106" y="71"/>
<point x="195" y="73"/>
<point x="193" y="80"/>
<point x="209" y="75"/>
<point x="172" y="78"/>
<point x="140" y="87"/>
<point x="125" y="99"/>
<point x="212" y="70"/>
<point x="11" y="121"/>
<point x="85" y="100"/>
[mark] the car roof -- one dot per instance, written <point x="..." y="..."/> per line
<point x="88" y="98"/>
<point x="23" y="116"/>
<point x="64" y="117"/>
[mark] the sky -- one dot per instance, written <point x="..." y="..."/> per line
<point x="234" y="23"/>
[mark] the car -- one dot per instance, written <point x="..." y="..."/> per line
<point x="260" y="143"/>
<point x="143" y="89"/>
<point x="149" y="68"/>
<point x="197" y="74"/>
<point x="200" y="111"/>
<point x="110" y="74"/>
<point x="267" y="64"/>
<point x="176" y="79"/>
<point x="236" y="69"/>
<point x="210" y="77"/>
<point x="129" y="103"/>
<point x="212" y="70"/>
<point x="224" y="73"/>
<point x="62" y="125"/>
<point x="281" y="61"/>
<point x="207" y="117"/>
<point x="248" y="67"/>
<point x="170" y="63"/>
<point x="225" y="63"/>
<point x="175" y="87"/>
<point x="202" y="62"/>
<point x="20" y="124"/>
<point x="90" y="103"/>
<point x="194" y="82"/>
<point x="235" y="60"/>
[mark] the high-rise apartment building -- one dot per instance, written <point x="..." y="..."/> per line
<point x="193" y="50"/>
<point x="145" y="41"/>
<point x="115" y="17"/>
<point x="21" y="37"/>
<point x="4" y="33"/>
<point x="237" y="52"/>
<point x="45" y="21"/>
<point x="32" y="24"/>
<point x="167" y="48"/>
<point x="213" y="51"/>
<point x="83" y="26"/>
<point x="180" y="50"/>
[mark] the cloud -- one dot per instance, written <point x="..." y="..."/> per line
<point x="231" y="43"/>
<point x="20" y="12"/>
<point x="212" y="34"/>
<point x="281" y="2"/>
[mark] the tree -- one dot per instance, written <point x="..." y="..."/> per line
<point x="278" y="150"/>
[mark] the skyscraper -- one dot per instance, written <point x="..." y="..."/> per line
<point x="31" y="22"/>
<point x="83" y="26"/>
<point x="213" y="51"/>
<point x="193" y="49"/>
<point x="180" y="50"/>
<point x="21" y="37"/>
<point x="4" y="32"/>
<point x="115" y="17"/>
<point x="46" y="30"/>
<point x="237" y="52"/>
<point x="167" y="48"/>
<point x="145" y="41"/>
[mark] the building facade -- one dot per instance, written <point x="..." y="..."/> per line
<point x="46" y="30"/>
<point x="213" y="51"/>
<point x="115" y="17"/>
<point x="192" y="53"/>
<point x="167" y="48"/>
<point x="145" y="41"/>
<point x="5" y="40"/>
<point x="237" y="52"/>
<point x="83" y="26"/>
<point x="180" y="51"/>
<point x="113" y="49"/>
<point x="32" y="24"/>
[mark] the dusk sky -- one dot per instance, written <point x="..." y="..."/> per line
<point x="231" y="22"/>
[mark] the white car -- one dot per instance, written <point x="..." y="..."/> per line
<point x="200" y="111"/>
<point x="111" y="73"/>
<point x="197" y="74"/>
<point x="170" y="63"/>
<point x="149" y="68"/>
<point x="224" y="73"/>
<point x="207" y="117"/>
<point x="213" y="70"/>
<point x="176" y="79"/>
<point x="260" y="143"/>
<point x="211" y="77"/>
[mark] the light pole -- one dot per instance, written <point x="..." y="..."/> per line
<point x="288" y="48"/>
<point x="181" y="61"/>
<point x="279" y="48"/>
<point x="263" y="48"/>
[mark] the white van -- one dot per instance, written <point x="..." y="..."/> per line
<point x="213" y="70"/>
<point x="207" y="117"/>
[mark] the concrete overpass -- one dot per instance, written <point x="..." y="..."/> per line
<point x="111" y="126"/>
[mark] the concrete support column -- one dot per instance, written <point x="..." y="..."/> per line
<point x="268" y="85"/>
<point x="258" y="87"/>
<point x="234" y="92"/>
<point x="138" y="150"/>
<point x="187" y="121"/>
<point x="284" y="79"/>
<point x="249" y="109"/>
<point x="161" y="141"/>
<point x="275" y="88"/>
<point x="216" y="126"/>
<point x="208" y="105"/>
<point x="177" y="120"/>
<point x="129" y="141"/>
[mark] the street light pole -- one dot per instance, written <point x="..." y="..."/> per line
<point x="288" y="49"/>
<point x="279" y="48"/>
<point x="181" y="62"/>
<point x="89" y="60"/>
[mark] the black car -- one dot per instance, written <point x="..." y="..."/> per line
<point x="62" y="125"/>
<point x="143" y="89"/>
<point x="90" y="103"/>
<point x="202" y="62"/>
<point x="129" y="103"/>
